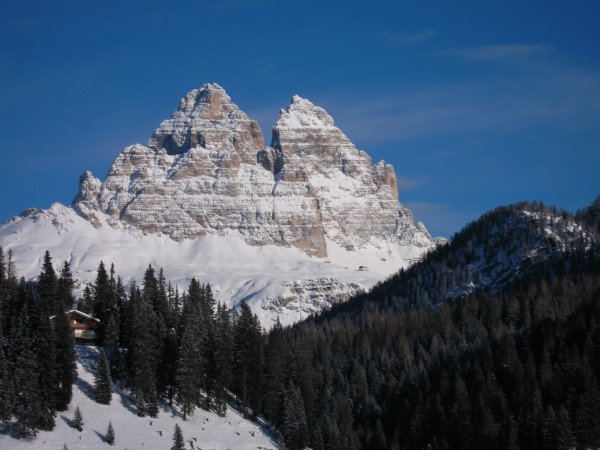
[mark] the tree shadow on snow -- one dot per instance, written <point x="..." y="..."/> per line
<point x="260" y="423"/>
<point x="69" y="422"/>
<point x="86" y="388"/>
<point x="100" y="435"/>
<point x="124" y="399"/>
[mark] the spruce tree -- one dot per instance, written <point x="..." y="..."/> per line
<point x="78" y="419"/>
<point x="25" y="390"/>
<point x="143" y="349"/>
<point x="43" y="339"/>
<point x="248" y="360"/>
<point x="189" y="362"/>
<point x="102" y="300"/>
<point x="152" y="405"/>
<point x="207" y="342"/>
<point x="28" y="410"/>
<point x="294" y="419"/>
<point x="65" y="357"/>
<point x="276" y="355"/>
<point x="223" y="358"/>
<point x="102" y="381"/>
<point x="110" y="434"/>
<point x="178" y="443"/>
<point x="5" y="390"/>
<point x="47" y="286"/>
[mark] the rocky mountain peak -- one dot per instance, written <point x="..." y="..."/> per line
<point x="302" y="113"/>
<point x="205" y="171"/>
<point x="86" y="201"/>
<point x="207" y="118"/>
<point x="303" y="123"/>
<point x="210" y="102"/>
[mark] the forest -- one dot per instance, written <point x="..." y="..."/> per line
<point x="513" y="367"/>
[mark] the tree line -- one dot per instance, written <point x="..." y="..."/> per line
<point x="160" y="344"/>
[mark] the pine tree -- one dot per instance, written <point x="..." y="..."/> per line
<point x="3" y="291"/>
<point x="152" y="406"/>
<point x="223" y="358"/>
<point x="43" y="339"/>
<point x="47" y="288"/>
<point x="77" y="419"/>
<point x="137" y="398"/>
<point x="110" y="434"/>
<point x="27" y="410"/>
<point x="294" y="419"/>
<point x="248" y="360"/>
<point x="5" y="391"/>
<point x="276" y="354"/>
<point x="165" y="336"/>
<point x="65" y="357"/>
<point x="189" y="362"/>
<point x="178" y="443"/>
<point x="207" y="342"/>
<point x="102" y="301"/>
<point x="102" y="381"/>
<point x="142" y="351"/>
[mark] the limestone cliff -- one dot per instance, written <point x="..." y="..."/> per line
<point x="206" y="171"/>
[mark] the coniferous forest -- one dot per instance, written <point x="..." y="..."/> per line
<point x="402" y="366"/>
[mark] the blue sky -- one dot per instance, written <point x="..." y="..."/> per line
<point x="475" y="103"/>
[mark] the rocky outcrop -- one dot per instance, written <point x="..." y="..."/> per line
<point x="206" y="171"/>
<point x="86" y="202"/>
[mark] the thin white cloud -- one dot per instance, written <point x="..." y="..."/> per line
<point x="497" y="52"/>
<point x="394" y="39"/>
<point x="406" y="183"/>
<point x="552" y="93"/>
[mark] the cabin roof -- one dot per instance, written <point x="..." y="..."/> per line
<point x="79" y="313"/>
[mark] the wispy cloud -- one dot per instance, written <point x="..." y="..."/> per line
<point x="551" y="93"/>
<point x="497" y="52"/>
<point x="394" y="39"/>
<point x="406" y="183"/>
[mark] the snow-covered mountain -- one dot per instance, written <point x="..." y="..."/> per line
<point x="506" y="245"/>
<point x="284" y="227"/>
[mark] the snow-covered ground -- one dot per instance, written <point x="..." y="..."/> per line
<point x="275" y="281"/>
<point x="205" y="429"/>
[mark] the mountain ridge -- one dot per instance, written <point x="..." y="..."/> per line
<point x="209" y="161"/>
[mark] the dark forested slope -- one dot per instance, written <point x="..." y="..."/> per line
<point x="490" y="342"/>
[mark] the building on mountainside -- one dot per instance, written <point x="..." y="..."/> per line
<point x="84" y="327"/>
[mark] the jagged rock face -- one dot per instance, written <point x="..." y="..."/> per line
<point x="358" y="202"/>
<point x="206" y="171"/>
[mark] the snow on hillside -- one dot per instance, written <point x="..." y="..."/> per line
<point x="275" y="281"/>
<point x="205" y="429"/>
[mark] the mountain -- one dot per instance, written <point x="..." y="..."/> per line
<point x="284" y="227"/>
<point x="491" y="341"/>
<point x="503" y="247"/>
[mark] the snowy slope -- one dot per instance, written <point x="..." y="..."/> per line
<point x="275" y="281"/>
<point x="206" y="429"/>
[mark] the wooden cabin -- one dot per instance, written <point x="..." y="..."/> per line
<point x="84" y="327"/>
